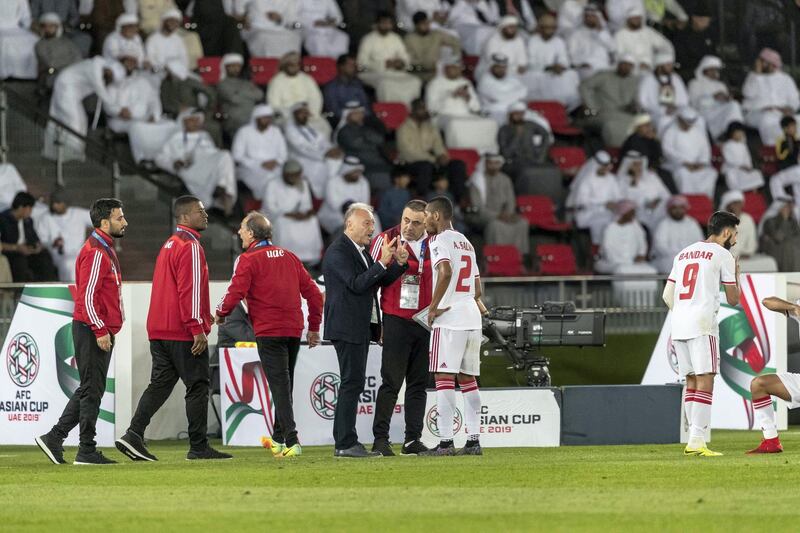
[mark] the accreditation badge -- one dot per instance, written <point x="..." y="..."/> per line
<point x="409" y="292"/>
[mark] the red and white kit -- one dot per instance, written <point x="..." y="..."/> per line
<point x="456" y="335"/>
<point x="697" y="272"/>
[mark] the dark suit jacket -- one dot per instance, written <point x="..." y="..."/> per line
<point x="351" y="291"/>
<point x="9" y="229"/>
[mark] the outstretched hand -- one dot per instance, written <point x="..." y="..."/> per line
<point x="387" y="251"/>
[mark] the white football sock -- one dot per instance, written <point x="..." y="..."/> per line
<point x="446" y="407"/>
<point x="765" y="416"/>
<point x="472" y="408"/>
<point x="701" y="418"/>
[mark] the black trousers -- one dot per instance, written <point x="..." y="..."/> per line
<point x="173" y="360"/>
<point x="36" y="267"/>
<point x="405" y="356"/>
<point x="456" y="171"/>
<point x="278" y="356"/>
<point x="84" y="406"/>
<point x="353" y="368"/>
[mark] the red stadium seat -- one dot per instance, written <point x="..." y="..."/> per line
<point x="755" y="205"/>
<point x="556" y="260"/>
<point x="322" y="69"/>
<point x="700" y="208"/>
<point x="716" y="157"/>
<point x="468" y="156"/>
<point x="210" y="69"/>
<point x="262" y="69"/>
<point x="392" y="114"/>
<point x="540" y="211"/>
<point x="470" y="64"/>
<point x="569" y="159"/>
<point x="503" y="260"/>
<point x="556" y="115"/>
<point x="769" y="161"/>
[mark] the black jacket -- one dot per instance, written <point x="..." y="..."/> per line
<point x="351" y="291"/>
<point x="9" y="229"/>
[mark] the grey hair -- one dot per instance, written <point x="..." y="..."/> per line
<point x="358" y="206"/>
<point x="259" y="224"/>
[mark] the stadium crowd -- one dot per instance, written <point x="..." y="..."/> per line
<point x="612" y="121"/>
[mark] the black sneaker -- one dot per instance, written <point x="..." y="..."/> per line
<point x="440" y="451"/>
<point x="383" y="447"/>
<point x="471" y="449"/>
<point x="208" y="453"/>
<point x="52" y="448"/>
<point x="132" y="445"/>
<point x="93" y="458"/>
<point x="415" y="447"/>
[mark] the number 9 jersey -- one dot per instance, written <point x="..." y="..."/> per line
<point x="697" y="272"/>
<point x="454" y="247"/>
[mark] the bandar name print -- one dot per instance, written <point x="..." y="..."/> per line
<point x="696" y="254"/>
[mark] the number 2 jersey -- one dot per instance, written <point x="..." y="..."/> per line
<point x="454" y="247"/>
<point x="697" y="272"/>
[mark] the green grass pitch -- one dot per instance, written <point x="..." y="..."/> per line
<point x="609" y="488"/>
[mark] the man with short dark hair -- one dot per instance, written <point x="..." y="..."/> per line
<point x="21" y="245"/>
<point x="344" y="88"/>
<point x="96" y="319"/>
<point x="178" y="323"/>
<point x="272" y="280"/>
<point x="692" y="294"/>
<point x="405" y="343"/>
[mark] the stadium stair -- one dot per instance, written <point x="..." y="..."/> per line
<point x="147" y="198"/>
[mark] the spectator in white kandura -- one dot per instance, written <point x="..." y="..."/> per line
<point x="492" y="195"/>
<point x="17" y="59"/>
<point x="624" y="246"/>
<point x="769" y="95"/>
<point x="259" y="150"/>
<point x="125" y="40"/>
<point x="290" y="86"/>
<point x="688" y="154"/>
<point x="10" y="184"/>
<point x="269" y="28"/>
<point x="662" y="92"/>
<point x="347" y="187"/>
<point x="134" y="108"/>
<point x="475" y="22"/>
<point x="314" y="151"/>
<point x="498" y="89"/>
<point x="570" y="15"/>
<point x="384" y="59"/>
<point x="674" y="233"/>
<point x="711" y="97"/>
<point x="458" y="107"/>
<point x="639" y="40"/>
<point x="738" y="164"/>
<point x="287" y="203"/>
<point x="549" y="75"/>
<point x="237" y="95"/>
<point x="591" y="46"/>
<point x="321" y="34"/>
<point x="643" y="187"/>
<point x="73" y="85"/>
<point x="166" y="44"/>
<point x="746" y="248"/>
<point x="206" y="170"/>
<point x="596" y="193"/>
<point x="508" y="41"/>
<point x="63" y="229"/>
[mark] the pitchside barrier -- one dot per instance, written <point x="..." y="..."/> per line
<point x="40" y="375"/>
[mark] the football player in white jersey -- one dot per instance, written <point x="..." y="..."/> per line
<point x="455" y="319"/>
<point x="784" y="385"/>
<point x="692" y="293"/>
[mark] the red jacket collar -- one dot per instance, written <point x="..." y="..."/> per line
<point x="189" y="230"/>
<point x="105" y="236"/>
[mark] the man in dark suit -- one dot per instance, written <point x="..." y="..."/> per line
<point x="28" y="259"/>
<point x="352" y="313"/>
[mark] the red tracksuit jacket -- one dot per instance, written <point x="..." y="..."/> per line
<point x="179" y="302"/>
<point x="273" y="280"/>
<point x="390" y="296"/>
<point x="98" y="283"/>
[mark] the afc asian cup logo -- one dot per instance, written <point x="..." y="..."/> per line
<point x="22" y="359"/>
<point x="432" y="420"/>
<point x="324" y="391"/>
<point x="672" y="356"/>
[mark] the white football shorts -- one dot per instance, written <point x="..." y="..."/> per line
<point x="696" y="356"/>
<point x="455" y="351"/>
